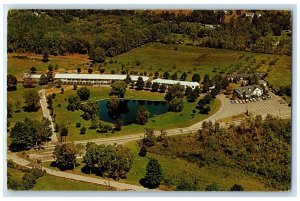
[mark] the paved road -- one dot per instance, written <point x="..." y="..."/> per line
<point x="118" y="185"/>
<point x="46" y="113"/>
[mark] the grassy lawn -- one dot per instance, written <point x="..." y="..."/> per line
<point x="19" y="114"/>
<point x="164" y="121"/>
<point x="53" y="183"/>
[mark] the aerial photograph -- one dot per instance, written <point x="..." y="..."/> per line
<point x="148" y="100"/>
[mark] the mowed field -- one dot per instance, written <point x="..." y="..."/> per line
<point x="168" y="57"/>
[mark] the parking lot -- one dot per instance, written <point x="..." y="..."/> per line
<point x="274" y="105"/>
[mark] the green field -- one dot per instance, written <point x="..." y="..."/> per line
<point x="164" y="121"/>
<point x="163" y="57"/>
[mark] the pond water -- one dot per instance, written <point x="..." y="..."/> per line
<point x="128" y="109"/>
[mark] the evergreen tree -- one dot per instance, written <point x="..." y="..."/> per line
<point x="154" y="174"/>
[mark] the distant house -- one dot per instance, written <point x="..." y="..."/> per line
<point x="249" y="91"/>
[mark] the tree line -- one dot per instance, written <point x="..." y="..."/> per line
<point x="101" y="33"/>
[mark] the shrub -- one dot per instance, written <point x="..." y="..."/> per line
<point x="143" y="151"/>
<point x="82" y="130"/>
<point x="78" y="124"/>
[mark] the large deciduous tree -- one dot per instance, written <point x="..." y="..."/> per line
<point x="65" y="155"/>
<point x="74" y="103"/>
<point x="83" y="93"/>
<point x="90" y="109"/>
<point x="118" y="88"/>
<point x="32" y="99"/>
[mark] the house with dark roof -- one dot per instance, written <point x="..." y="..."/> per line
<point x="249" y="91"/>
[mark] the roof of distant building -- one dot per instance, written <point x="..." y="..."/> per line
<point x="247" y="89"/>
<point x="185" y="83"/>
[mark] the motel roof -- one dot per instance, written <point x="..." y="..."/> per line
<point x="185" y="83"/>
<point x="97" y="76"/>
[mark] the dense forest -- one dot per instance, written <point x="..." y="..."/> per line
<point x="113" y="32"/>
<point x="257" y="146"/>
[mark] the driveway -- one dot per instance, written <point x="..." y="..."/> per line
<point x="46" y="113"/>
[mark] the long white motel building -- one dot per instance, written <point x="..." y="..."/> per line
<point x="106" y="79"/>
<point x="160" y="81"/>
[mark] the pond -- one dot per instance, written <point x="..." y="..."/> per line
<point x="127" y="110"/>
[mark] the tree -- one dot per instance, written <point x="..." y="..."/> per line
<point x="78" y="70"/>
<point x="97" y="55"/>
<point x="64" y="131"/>
<point x="32" y="99"/>
<point x="33" y="70"/>
<point x="148" y="84"/>
<point x="118" y="88"/>
<point x="162" y="88"/>
<point x="140" y="84"/>
<point x="183" y="76"/>
<point x="28" y="82"/>
<point x="74" y="102"/>
<point x="153" y="175"/>
<point x="62" y="91"/>
<point x="21" y="135"/>
<point x="90" y="71"/>
<point x="128" y="79"/>
<point x="90" y="109"/>
<point x="43" y="80"/>
<point x="142" y="116"/>
<point x="196" y="78"/>
<point x="75" y="87"/>
<point x="237" y="187"/>
<point x="65" y="155"/>
<point x="175" y="91"/>
<point x="108" y="160"/>
<point x="166" y="75"/>
<point x="113" y="103"/>
<point x="11" y="83"/>
<point x="155" y="86"/>
<point x="83" y="130"/>
<point x="192" y="96"/>
<point x="45" y="56"/>
<point x="156" y="74"/>
<point x="174" y="76"/>
<point x="84" y="93"/>
<point x="149" y="138"/>
<point x="176" y="105"/>
<point x="143" y="151"/>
